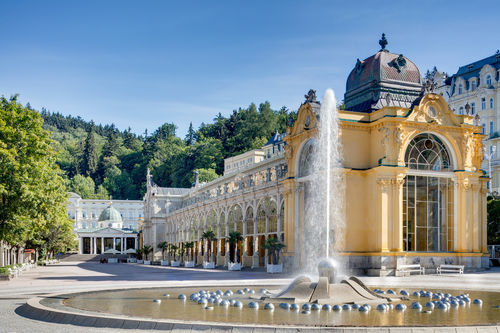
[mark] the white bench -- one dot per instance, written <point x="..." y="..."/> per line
<point x="450" y="268"/>
<point x="411" y="268"/>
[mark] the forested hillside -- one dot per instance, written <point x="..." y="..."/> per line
<point x="99" y="161"/>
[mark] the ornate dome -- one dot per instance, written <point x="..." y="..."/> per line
<point x="111" y="215"/>
<point x="384" y="79"/>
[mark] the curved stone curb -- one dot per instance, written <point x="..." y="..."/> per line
<point x="33" y="309"/>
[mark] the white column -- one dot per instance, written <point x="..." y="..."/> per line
<point x="80" y="245"/>
<point x="114" y="242"/>
<point x="102" y="244"/>
<point x="135" y="245"/>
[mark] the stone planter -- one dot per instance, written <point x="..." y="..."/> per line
<point x="175" y="263"/>
<point x="209" y="264"/>
<point x="189" y="264"/>
<point x="147" y="262"/>
<point x="234" y="266"/>
<point x="112" y="260"/>
<point x="131" y="260"/>
<point x="140" y="261"/>
<point x="275" y="268"/>
<point x="164" y="262"/>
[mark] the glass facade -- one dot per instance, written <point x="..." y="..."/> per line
<point x="428" y="214"/>
<point x="428" y="199"/>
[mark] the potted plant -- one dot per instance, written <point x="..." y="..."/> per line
<point x="234" y="255"/>
<point x="274" y="246"/>
<point x="181" y="251"/>
<point x="147" y="249"/>
<point x="139" y="254"/>
<point x="173" y="250"/>
<point x="164" y="247"/>
<point x="189" y="246"/>
<point x="209" y="236"/>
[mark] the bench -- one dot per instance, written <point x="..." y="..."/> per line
<point x="450" y="268"/>
<point x="411" y="268"/>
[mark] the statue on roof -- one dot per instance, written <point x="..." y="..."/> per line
<point x="383" y="43"/>
<point x="311" y="96"/>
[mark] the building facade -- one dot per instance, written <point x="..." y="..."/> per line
<point x="475" y="90"/>
<point x="414" y="188"/>
<point x="104" y="226"/>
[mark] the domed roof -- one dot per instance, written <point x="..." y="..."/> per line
<point x="384" y="79"/>
<point x="110" y="214"/>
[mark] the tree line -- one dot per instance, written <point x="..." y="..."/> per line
<point x="102" y="161"/>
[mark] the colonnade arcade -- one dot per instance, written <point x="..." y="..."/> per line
<point x="256" y="220"/>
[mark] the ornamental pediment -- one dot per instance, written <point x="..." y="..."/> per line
<point x="434" y="109"/>
<point x="306" y="118"/>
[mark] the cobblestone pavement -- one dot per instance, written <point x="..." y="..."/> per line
<point x="82" y="276"/>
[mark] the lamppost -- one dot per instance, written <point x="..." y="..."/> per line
<point x="489" y="156"/>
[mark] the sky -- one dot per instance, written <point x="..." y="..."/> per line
<point x="140" y="64"/>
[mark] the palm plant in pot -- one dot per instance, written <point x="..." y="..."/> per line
<point x="209" y="236"/>
<point x="173" y="250"/>
<point x="164" y="247"/>
<point x="189" y="246"/>
<point x="274" y="246"/>
<point x="147" y="249"/>
<point x="139" y="253"/>
<point x="234" y="255"/>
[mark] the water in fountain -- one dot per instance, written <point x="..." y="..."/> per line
<point x="324" y="218"/>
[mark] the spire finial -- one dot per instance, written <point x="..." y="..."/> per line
<point x="383" y="43"/>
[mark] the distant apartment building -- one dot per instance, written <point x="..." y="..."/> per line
<point x="475" y="90"/>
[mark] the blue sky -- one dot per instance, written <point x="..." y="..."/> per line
<point x="144" y="63"/>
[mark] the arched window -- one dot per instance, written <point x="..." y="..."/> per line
<point x="428" y="198"/>
<point x="491" y="103"/>
<point x="427" y="152"/>
<point x="261" y="219"/>
<point x="460" y="89"/>
<point x="249" y="221"/>
<point x="461" y="110"/>
<point x="488" y="80"/>
<point x="306" y="158"/>
<point x="473" y="108"/>
<point x="483" y="103"/>
<point x="473" y="85"/>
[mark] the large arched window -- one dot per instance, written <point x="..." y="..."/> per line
<point x="427" y="152"/>
<point x="428" y="193"/>
<point x="306" y="158"/>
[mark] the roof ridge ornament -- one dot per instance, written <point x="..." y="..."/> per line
<point x="383" y="43"/>
<point x="311" y="96"/>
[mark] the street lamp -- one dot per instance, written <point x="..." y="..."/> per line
<point x="489" y="156"/>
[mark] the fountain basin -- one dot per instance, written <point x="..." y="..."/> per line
<point x="137" y="304"/>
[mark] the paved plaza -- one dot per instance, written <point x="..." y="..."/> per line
<point x="69" y="277"/>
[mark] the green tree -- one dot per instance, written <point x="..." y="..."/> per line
<point x="173" y="250"/>
<point x="190" y="246"/>
<point x="190" y="135"/>
<point x="83" y="186"/>
<point x="274" y="246"/>
<point x="32" y="192"/>
<point x="89" y="156"/>
<point x="233" y="239"/>
<point x="147" y="249"/>
<point x="163" y="246"/>
<point x="209" y="236"/>
<point x="493" y="221"/>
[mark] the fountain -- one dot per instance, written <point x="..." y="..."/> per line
<point x="324" y="209"/>
<point x="328" y="300"/>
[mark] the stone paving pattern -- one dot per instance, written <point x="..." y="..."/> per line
<point x="68" y="277"/>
